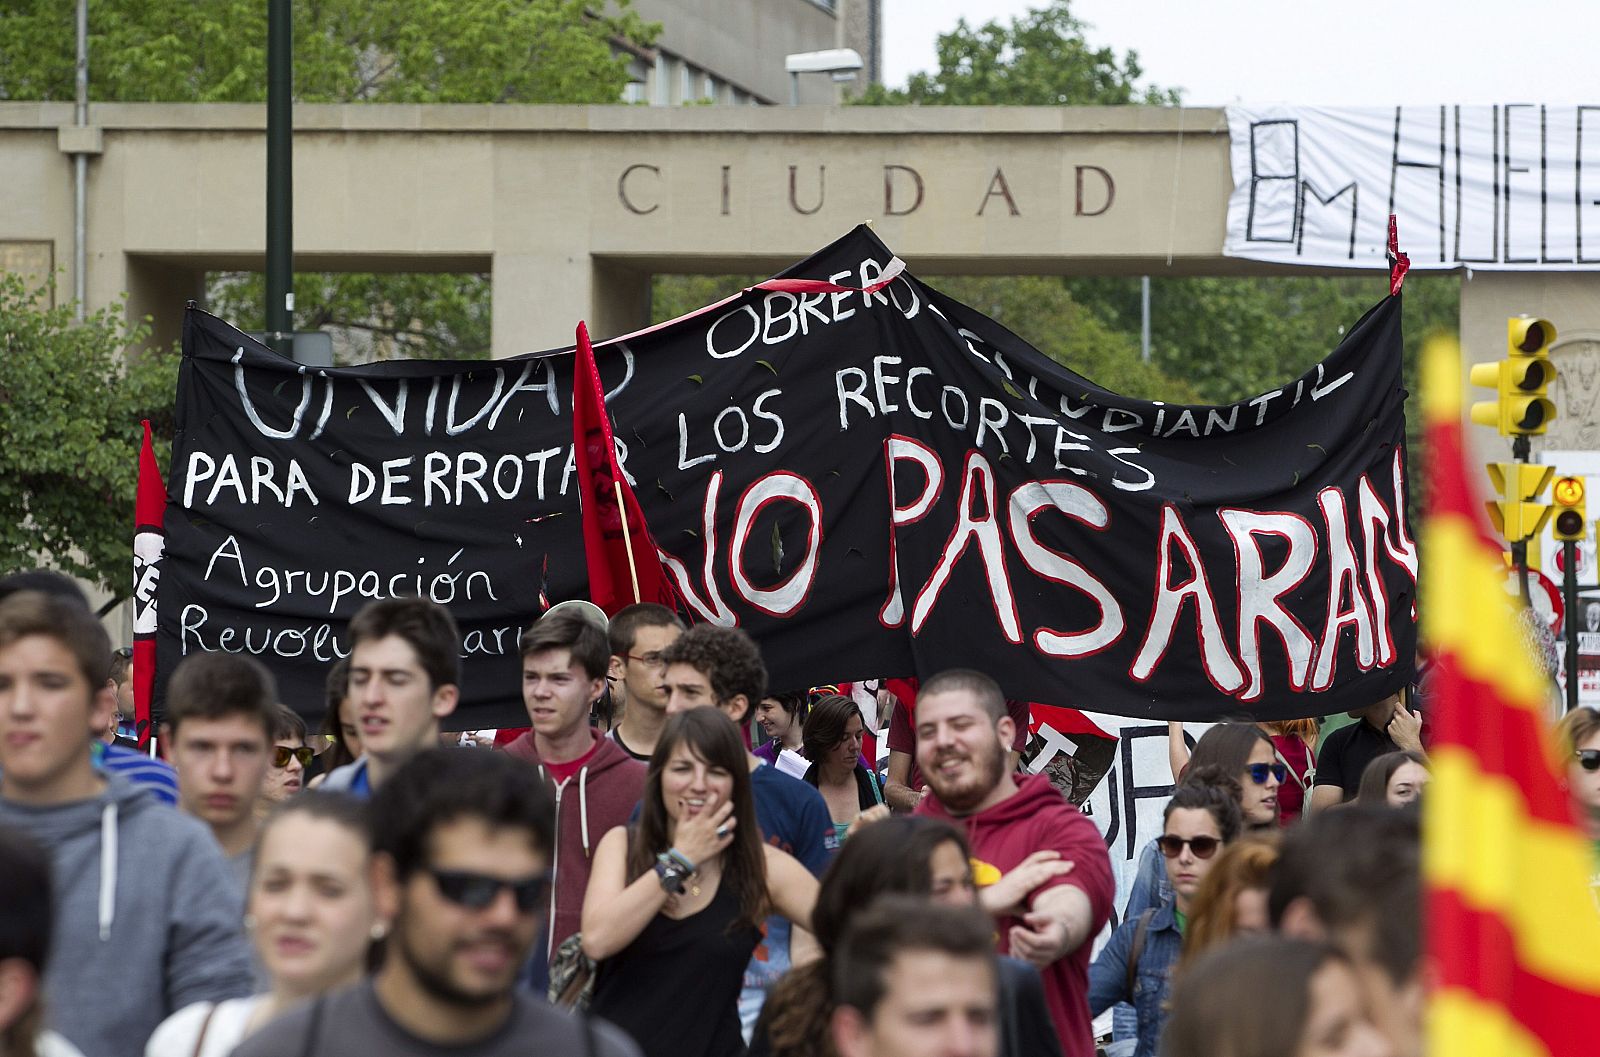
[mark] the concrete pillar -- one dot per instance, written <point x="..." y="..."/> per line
<point x="161" y="290"/>
<point x="540" y="297"/>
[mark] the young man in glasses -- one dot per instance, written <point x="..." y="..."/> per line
<point x="1041" y="865"/>
<point x="638" y="634"/>
<point x="462" y="847"/>
<point x="221" y="708"/>
<point x="596" y="784"/>
<point x="405" y="676"/>
<point x="146" y="919"/>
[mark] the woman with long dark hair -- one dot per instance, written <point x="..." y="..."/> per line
<point x="675" y="901"/>
<point x="901" y="856"/>
<point x="1394" y="779"/>
<point x="832" y="742"/>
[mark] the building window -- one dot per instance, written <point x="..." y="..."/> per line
<point x="663" y="81"/>
<point x="710" y="93"/>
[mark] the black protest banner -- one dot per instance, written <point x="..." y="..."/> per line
<point x="873" y="485"/>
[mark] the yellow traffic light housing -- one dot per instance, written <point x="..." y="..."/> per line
<point x="1570" y="517"/>
<point x="1519" y="514"/>
<point x="1521" y="380"/>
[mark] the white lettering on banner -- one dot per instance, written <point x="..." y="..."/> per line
<point x="1232" y="655"/>
<point x="391" y="399"/>
<point x="227" y="481"/>
<point x="445" y="586"/>
<point x="783" y="316"/>
<point x="1503" y="187"/>
<point x="1260" y="594"/>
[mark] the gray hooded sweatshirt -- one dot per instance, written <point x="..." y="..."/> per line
<point x="147" y="917"/>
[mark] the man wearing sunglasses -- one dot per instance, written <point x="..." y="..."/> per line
<point x="462" y="843"/>
<point x="218" y="728"/>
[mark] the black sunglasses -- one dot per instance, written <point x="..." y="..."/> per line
<point x="1259" y="772"/>
<point x="282" y="754"/>
<point x="1203" y="847"/>
<point x="1588" y="759"/>
<point x="477" y="891"/>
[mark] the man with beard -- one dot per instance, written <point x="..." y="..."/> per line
<point x="1041" y="866"/>
<point x="461" y="845"/>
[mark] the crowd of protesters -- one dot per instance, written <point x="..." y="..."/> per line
<point x="672" y="860"/>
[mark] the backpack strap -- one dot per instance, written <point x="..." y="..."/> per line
<point x="1141" y="932"/>
<point x="205" y="1025"/>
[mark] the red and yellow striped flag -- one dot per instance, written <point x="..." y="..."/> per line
<point x="1513" y="933"/>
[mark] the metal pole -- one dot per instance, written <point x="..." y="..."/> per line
<point x="280" y="188"/>
<point x="1144" y="318"/>
<point x="1569" y="602"/>
<point x="1519" y="549"/>
<point x="794" y="89"/>
<point x="80" y="171"/>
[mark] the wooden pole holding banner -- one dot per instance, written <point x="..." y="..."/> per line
<point x="627" y="540"/>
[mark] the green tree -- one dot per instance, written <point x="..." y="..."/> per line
<point x="345" y="51"/>
<point x="71" y="398"/>
<point x="1040" y="59"/>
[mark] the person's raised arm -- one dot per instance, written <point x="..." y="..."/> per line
<point x="897" y="788"/>
<point x="616" y="912"/>
<point x="1061" y="921"/>
<point x="1177" y="749"/>
<point x="1405" y="728"/>
<point x="1009" y="895"/>
<point x="790" y="887"/>
<point x="1324" y="797"/>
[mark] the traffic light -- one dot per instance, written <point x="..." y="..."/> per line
<point x="1521" y="380"/>
<point x="1518" y="514"/>
<point x="1570" y="520"/>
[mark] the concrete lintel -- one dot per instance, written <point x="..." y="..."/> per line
<point x="819" y="120"/>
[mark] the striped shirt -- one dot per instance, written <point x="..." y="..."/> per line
<point x="147" y="772"/>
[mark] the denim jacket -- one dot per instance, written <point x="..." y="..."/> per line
<point x="1108" y="976"/>
<point x="1150" y="889"/>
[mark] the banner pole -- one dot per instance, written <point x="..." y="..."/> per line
<point x="627" y="540"/>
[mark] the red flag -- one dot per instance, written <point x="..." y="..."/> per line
<point x="1512" y="928"/>
<point x="624" y="566"/>
<point x="149" y="541"/>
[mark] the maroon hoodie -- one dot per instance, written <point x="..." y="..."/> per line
<point x="1039" y="818"/>
<point x="597" y="799"/>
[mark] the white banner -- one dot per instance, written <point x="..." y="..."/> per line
<point x="1514" y="187"/>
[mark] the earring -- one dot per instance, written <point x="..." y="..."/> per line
<point x="249" y="922"/>
<point x="379" y="931"/>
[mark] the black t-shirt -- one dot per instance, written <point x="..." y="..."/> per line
<point x="1345" y="753"/>
<point x="352" y="1023"/>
